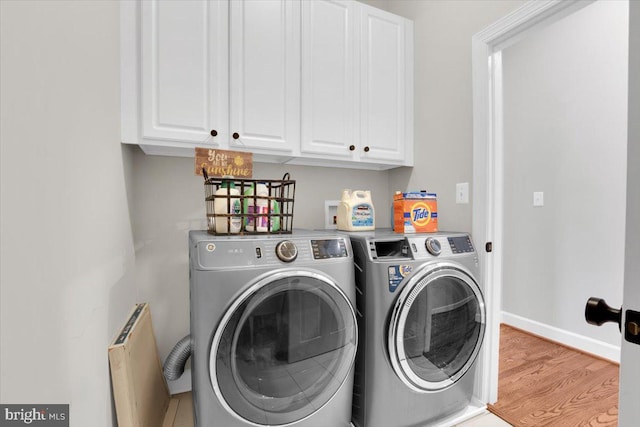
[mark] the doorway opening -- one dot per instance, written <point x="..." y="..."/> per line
<point x="541" y="261"/>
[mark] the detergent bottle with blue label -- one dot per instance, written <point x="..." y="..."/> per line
<point x="355" y="211"/>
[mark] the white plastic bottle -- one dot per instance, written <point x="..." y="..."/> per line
<point x="257" y="208"/>
<point x="355" y="211"/>
<point x="223" y="204"/>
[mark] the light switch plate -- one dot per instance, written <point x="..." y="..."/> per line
<point x="462" y="193"/>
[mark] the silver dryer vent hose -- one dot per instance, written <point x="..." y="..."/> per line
<point x="174" y="365"/>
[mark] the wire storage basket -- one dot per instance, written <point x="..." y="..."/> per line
<point x="249" y="206"/>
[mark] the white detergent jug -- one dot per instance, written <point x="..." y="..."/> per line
<point x="355" y="211"/>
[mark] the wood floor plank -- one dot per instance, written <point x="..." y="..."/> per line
<point x="542" y="383"/>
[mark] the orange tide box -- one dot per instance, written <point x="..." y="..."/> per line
<point x="415" y="212"/>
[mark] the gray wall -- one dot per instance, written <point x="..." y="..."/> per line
<point x="67" y="255"/>
<point x="565" y="101"/>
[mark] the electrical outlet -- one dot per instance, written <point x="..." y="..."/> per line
<point x="538" y="198"/>
<point x="462" y="193"/>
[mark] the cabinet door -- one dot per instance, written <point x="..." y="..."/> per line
<point x="184" y="70"/>
<point x="264" y="79"/>
<point x="385" y="102"/>
<point x="329" y="89"/>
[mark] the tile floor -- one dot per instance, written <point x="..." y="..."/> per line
<point x="485" y="420"/>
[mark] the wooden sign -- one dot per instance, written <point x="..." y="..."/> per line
<point x="219" y="163"/>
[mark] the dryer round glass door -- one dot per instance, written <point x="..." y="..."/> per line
<point x="284" y="348"/>
<point x="437" y="327"/>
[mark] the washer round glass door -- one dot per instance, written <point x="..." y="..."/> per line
<point x="284" y="348"/>
<point x="437" y="327"/>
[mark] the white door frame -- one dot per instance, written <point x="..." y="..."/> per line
<point x="488" y="171"/>
<point x="629" y="411"/>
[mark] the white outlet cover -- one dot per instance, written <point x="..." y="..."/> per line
<point x="538" y="198"/>
<point x="330" y="214"/>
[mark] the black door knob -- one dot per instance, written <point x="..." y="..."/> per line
<point x="352" y="147"/>
<point x="597" y="312"/>
<point x="366" y="149"/>
<point x="214" y="132"/>
<point x="235" y="135"/>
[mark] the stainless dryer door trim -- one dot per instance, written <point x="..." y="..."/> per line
<point x="262" y="282"/>
<point x="423" y="277"/>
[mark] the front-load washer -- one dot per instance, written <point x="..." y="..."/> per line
<point x="421" y="325"/>
<point x="273" y="329"/>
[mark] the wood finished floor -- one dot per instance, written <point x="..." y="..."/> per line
<point x="542" y="383"/>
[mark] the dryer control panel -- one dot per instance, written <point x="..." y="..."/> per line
<point x="460" y="244"/>
<point x="440" y="246"/>
<point x="420" y="246"/>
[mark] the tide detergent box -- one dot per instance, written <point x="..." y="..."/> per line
<point x="415" y="212"/>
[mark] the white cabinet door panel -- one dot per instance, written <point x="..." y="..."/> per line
<point x="328" y="78"/>
<point x="183" y="62"/>
<point x="383" y="74"/>
<point x="264" y="76"/>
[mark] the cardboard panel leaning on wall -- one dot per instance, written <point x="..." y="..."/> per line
<point x="139" y="386"/>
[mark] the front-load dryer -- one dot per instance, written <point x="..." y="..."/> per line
<point x="421" y="325"/>
<point x="273" y="329"/>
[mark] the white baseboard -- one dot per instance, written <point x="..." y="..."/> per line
<point x="570" y="339"/>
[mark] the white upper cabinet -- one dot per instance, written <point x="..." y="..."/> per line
<point x="386" y="95"/>
<point x="325" y="82"/>
<point x="174" y="73"/>
<point x="264" y="80"/>
<point x="357" y="84"/>
<point x="211" y="74"/>
<point x="329" y="81"/>
<point x="183" y="70"/>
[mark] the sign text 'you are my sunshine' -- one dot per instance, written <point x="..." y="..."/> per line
<point x="220" y="163"/>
